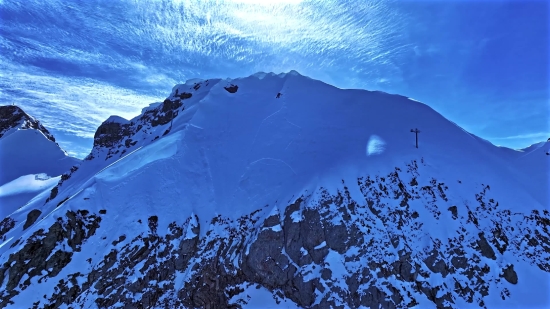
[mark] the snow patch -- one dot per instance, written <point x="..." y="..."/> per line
<point x="117" y="119"/>
<point x="376" y="145"/>
<point x="150" y="107"/>
<point x="321" y="245"/>
<point x="297" y="216"/>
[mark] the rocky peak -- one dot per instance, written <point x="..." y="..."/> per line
<point x="215" y="225"/>
<point x="13" y="117"/>
<point x="116" y="135"/>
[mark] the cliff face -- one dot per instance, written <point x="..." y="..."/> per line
<point x="116" y="136"/>
<point x="278" y="189"/>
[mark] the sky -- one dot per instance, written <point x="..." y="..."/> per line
<point x="482" y="64"/>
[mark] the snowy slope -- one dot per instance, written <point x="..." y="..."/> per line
<point x="26" y="149"/>
<point x="18" y="192"/>
<point x="29" y="152"/>
<point x="314" y="194"/>
<point x="535" y="163"/>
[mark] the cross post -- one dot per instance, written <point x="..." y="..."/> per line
<point x="416" y="131"/>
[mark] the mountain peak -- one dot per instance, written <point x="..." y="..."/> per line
<point x="30" y="159"/>
<point x="12" y="118"/>
<point x="278" y="187"/>
<point x="116" y="119"/>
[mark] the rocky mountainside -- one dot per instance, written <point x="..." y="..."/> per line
<point x="279" y="190"/>
<point x="30" y="159"/>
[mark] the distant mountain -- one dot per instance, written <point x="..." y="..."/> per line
<point x="27" y="148"/>
<point x="283" y="191"/>
<point x="13" y="118"/>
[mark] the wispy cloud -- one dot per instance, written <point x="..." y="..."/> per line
<point x="270" y="35"/>
<point x="530" y="136"/>
<point x="75" y="106"/>
<point x="73" y="63"/>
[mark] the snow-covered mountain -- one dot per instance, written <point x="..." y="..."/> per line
<point x="280" y="190"/>
<point x="29" y="158"/>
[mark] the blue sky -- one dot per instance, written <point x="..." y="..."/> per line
<point x="482" y="64"/>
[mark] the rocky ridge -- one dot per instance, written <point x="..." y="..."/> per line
<point x="328" y="250"/>
<point x="13" y="117"/>
<point x="116" y="136"/>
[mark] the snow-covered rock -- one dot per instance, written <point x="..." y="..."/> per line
<point x="27" y="149"/>
<point x="279" y="186"/>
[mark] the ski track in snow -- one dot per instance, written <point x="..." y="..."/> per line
<point x="273" y="159"/>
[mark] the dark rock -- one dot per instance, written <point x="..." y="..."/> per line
<point x="459" y="262"/>
<point x="5" y="226"/>
<point x="291" y="230"/>
<point x="436" y="264"/>
<point x="109" y="134"/>
<point x="38" y="256"/>
<point x="153" y="224"/>
<point x="403" y="269"/>
<point x="311" y="230"/>
<point x="454" y="211"/>
<point x="120" y="239"/>
<point x="336" y="237"/>
<point x="301" y="292"/>
<point x="185" y="95"/>
<point x="485" y="248"/>
<point x="326" y="273"/>
<point x="272" y="221"/>
<point x="231" y="88"/>
<point x="374" y="298"/>
<point x="169" y="105"/>
<point x="265" y="263"/>
<point x="53" y="193"/>
<point x="32" y="216"/>
<point x="499" y="240"/>
<point x="62" y="201"/>
<point x="510" y="274"/>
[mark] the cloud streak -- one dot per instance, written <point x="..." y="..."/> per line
<point x="74" y="106"/>
<point x="73" y="63"/>
<point x="530" y="136"/>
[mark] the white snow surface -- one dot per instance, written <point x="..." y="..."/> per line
<point x="18" y="192"/>
<point x="28" y="151"/>
<point x="232" y="153"/>
<point x="256" y="297"/>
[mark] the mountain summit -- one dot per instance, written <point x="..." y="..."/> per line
<point x="13" y="118"/>
<point x="280" y="190"/>
<point x="30" y="158"/>
<point x="27" y="147"/>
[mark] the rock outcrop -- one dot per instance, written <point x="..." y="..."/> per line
<point x="325" y="251"/>
<point x="117" y="136"/>
<point x="12" y="116"/>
